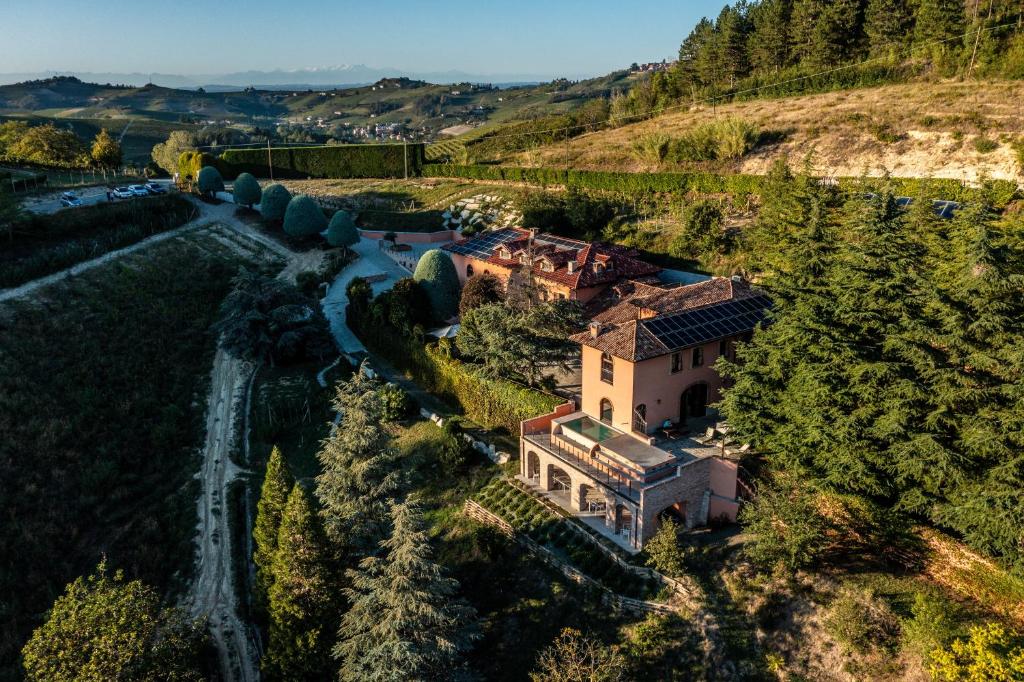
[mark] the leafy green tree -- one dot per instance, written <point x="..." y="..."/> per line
<point x="49" y="146"/>
<point x="247" y="190"/>
<point x="479" y="290"/>
<point x="302" y="601"/>
<point x="106" y="152"/>
<point x="990" y="653"/>
<point x="106" y="628"/>
<point x="303" y="217"/>
<point x="574" y="657"/>
<point x="520" y="344"/>
<point x="209" y="181"/>
<point x="436" y="274"/>
<point x="702" y="233"/>
<point x="360" y="472"/>
<point x="274" y="202"/>
<point x="406" y="622"/>
<point x="786" y="524"/>
<point x="277" y="484"/>
<point x="342" y="231"/>
<point x="166" y="154"/>
<point x="10" y="133"/>
<point x="406" y="305"/>
<point x="663" y="550"/>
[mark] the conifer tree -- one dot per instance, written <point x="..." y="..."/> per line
<point x="406" y="622"/>
<point x="277" y="484"/>
<point x="939" y="20"/>
<point x="770" y="39"/>
<point x="732" y="29"/>
<point x="360" y="473"/>
<point x="886" y="23"/>
<point x="301" y="598"/>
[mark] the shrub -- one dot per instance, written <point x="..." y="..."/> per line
<point x="860" y="621"/>
<point x="341" y="231"/>
<point x="210" y="181"/>
<point x="990" y="653"/>
<point x="702" y="232"/>
<point x="247" y="190"/>
<point x="479" y="290"/>
<point x="395" y="402"/>
<point x="274" y="202"/>
<point x="652" y="148"/>
<point x="341" y="161"/>
<point x="734" y="137"/>
<point x="985" y="145"/>
<point x="436" y="274"/>
<point x="303" y="217"/>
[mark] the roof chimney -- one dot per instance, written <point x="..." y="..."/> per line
<point x="595" y="329"/>
<point x="571" y="266"/>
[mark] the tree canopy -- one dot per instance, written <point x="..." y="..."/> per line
<point x="277" y="484"/>
<point x="210" y="181"/>
<point x="274" y="202"/>
<point x="342" y="231"/>
<point x="479" y="290"/>
<point x="304" y="217"/>
<point x="247" y="190"/>
<point x="106" y="152"/>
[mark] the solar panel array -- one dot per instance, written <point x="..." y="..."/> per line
<point x="694" y="327"/>
<point x="482" y="247"/>
<point x="559" y="241"/>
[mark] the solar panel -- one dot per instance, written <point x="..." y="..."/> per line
<point x="693" y="327"/>
<point x="482" y="247"/>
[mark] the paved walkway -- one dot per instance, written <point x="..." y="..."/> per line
<point x="372" y="261"/>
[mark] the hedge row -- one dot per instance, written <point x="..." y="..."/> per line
<point x="190" y="163"/>
<point x="738" y="185"/>
<point x="341" y="161"/>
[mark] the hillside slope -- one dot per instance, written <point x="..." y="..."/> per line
<point x="949" y="129"/>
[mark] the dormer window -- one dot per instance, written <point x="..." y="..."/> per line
<point x="598" y="267"/>
<point x="524" y="259"/>
<point x="547" y="266"/>
<point x="505" y="253"/>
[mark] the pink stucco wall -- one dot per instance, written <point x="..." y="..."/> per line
<point x="413" y="237"/>
<point x="542" y="423"/>
<point x="723" y="478"/>
<point x="650" y="383"/>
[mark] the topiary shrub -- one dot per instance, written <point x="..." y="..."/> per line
<point x="303" y="217"/>
<point x="247" y="190"/>
<point x="274" y="202"/>
<point x="436" y="274"/>
<point x="342" y="230"/>
<point x="210" y="181"/>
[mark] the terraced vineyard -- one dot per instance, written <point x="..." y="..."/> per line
<point x="448" y="151"/>
<point x="531" y="518"/>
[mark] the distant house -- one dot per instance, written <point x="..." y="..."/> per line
<point x="632" y="453"/>
<point x="559" y="267"/>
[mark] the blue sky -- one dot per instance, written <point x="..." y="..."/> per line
<point x="552" y="37"/>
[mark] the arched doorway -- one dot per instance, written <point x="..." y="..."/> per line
<point x="693" y="402"/>
<point x="675" y="514"/>
<point x="532" y="466"/>
<point x="558" y="479"/>
<point x="623" y="520"/>
<point x="606" y="411"/>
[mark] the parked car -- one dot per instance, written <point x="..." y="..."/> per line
<point x="70" y="200"/>
<point x="138" y="190"/>
<point x="123" y="193"/>
<point x="154" y="188"/>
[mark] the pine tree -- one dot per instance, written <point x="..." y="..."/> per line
<point x="886" y="23"/>
<point x="697" y="56"/>
<point x="301" y="600"/>
<point x="769" y="43"/>
<point x="406" y="622"/>
<point x="360" y="472"/>
<point x="277" y="484"/>
<point x="732" y="29"/>
<point x="939" y="20"/>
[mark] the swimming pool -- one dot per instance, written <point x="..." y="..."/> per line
<point x="594" y="430"/>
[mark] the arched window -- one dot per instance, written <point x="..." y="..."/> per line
<point x="640" y="418"/>
<point x="607" y="368"/>
<point x="469" y="269"/>
<point x="606" y="410"/>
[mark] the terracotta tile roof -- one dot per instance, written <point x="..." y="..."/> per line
<point x="593" y="264"/>
<point x="647" y="321"/>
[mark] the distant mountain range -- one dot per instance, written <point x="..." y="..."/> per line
<point x="330" y="76"/>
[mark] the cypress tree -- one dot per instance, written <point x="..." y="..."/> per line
<point x="277" y="484"/>
<point x="406" y="622"/>
<point x="359" y="469"/>
<point x="436" y="274"/>
<point x="301" y="603"/>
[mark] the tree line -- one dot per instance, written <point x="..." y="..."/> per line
<point x="48" y="145"/>
<point x="888" y="388"/>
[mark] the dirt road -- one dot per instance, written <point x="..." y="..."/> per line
<point x="213" y="594"/>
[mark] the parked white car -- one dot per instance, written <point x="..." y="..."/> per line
<point x="70" y="200"/>
<point x="123" y="193"/>
<point x="154" y="188"/>
<point x="138" y="190"/>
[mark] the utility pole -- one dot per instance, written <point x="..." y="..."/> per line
<point x="405" y="153"/>
<point x="270" y="160"/>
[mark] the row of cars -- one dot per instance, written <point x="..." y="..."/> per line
<point x="72" y="200"/>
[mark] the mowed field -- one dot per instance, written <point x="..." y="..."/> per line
<point x="949" y="129"/>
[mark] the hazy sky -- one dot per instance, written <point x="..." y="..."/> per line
<point x="547" y="37"/>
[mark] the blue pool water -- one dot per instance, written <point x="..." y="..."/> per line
<point x="594" y="430"/>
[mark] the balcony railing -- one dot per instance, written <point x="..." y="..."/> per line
<point x="629" y="489"/>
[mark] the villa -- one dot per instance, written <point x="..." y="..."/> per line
<point x="560" y="267"/>
<point x="632" y="453"/>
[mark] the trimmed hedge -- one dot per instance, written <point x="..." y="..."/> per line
<point x="247" y="190"/>
<point x="341" y="161"/>
<point x="209" y="180"/>
<point x="304" y="217"/>
<point x="739" y="185"/>
<point x="191" y="162"/>
<point x="274" y="202"/>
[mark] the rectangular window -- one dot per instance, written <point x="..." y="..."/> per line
<point x="677" y="362"/>
<point x="723" y="348"/>
<point x="607" y="368"/>
<point x="698" y="357"/>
